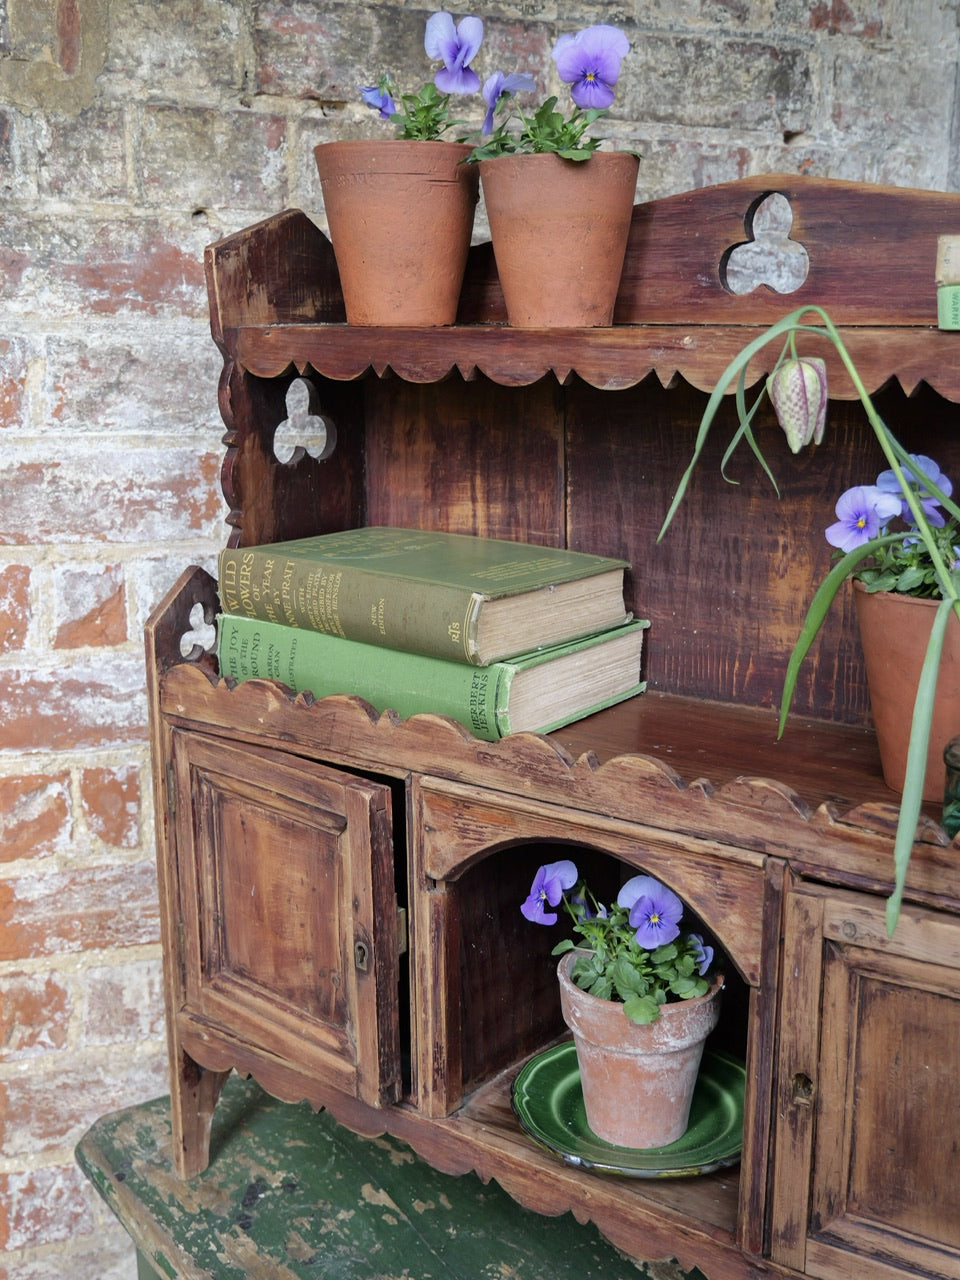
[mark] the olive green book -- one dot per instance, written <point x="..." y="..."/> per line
<point x="539" y="691"/>
<point x="449" y="595"/>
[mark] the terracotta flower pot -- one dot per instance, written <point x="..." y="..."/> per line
<point x="400" y="215"/>
<point x="637" y="1081"/>
<point x="894" y="632"/>
<point x="559" y="232"/>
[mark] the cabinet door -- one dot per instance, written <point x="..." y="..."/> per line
<point x="289" y="939"/>
<point x="865" y="1170"/>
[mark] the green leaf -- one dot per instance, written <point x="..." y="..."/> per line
<point x="912" y="798"/>
<point x="642" y="1009"/>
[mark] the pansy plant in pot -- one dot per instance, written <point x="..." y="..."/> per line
<point x="640" y="997"/>
<point x="896" y="538"/>
<point x="400" y="210"/>
<point x="551" y="194"/>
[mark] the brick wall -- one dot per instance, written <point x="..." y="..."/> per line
<point x="132" y="134"/>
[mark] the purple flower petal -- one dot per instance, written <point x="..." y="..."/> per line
<point x="498" y="85"/>
<point x="921" y="468"/>
<point x="590" y="63"/>
<point x="656" y="918"/>
<point x="373" y="96"/>
<point x="455" y="47"/>
<point x="861" y="513"/>
<point x="702" y="954"/>
<point x="547" y="889"/>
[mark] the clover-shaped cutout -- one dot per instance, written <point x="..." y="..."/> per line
<point x="769" y="257"/>
<point x="201" y="636"/>
<point x="304" y="430"/>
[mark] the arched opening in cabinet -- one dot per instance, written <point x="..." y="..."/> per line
<point x="486" y="991"/>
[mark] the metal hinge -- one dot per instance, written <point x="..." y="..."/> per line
<point x="401" y="931"/>
<point x="171" y="790"/>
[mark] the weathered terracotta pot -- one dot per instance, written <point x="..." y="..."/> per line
<point x="400" y="215"/>
<point x="637" y="1082"/>
<point x="894" y="632"/>
<point x="559" y="232"/>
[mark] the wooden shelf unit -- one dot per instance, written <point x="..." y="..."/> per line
<point x="340" y="890"/>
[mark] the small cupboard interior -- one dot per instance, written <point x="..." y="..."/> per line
<point x="340" y="891"/>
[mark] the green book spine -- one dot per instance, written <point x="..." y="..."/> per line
<point x="408" y="683"/>
<point x="421" y="591"/>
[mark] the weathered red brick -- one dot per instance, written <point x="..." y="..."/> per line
<point x="111" y="803"/>
<point x="112" y="384"/>
<point x="91" y="606"/>
<point x="84" y="705"/>
<point x="34" y="1015"/>
<point x="15" y="611"/>
<point x="138" y="495"/>
<point x="212" y="155"/>
<point x="43" y="1206"/>
<point x="83" y="156"/>
<point x="124" y="1003"/>
<point x="39" y="1113"/>
<point x="35" y="815"/>
<point x="13" y="378"/>
<point x="102" y="267"/>
<point x="88" y="909"/>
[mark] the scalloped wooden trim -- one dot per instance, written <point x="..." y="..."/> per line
<point x="762" y="816"/>
<point x="607" y="359"/>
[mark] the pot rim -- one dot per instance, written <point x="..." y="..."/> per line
<point x="568" y="957"/>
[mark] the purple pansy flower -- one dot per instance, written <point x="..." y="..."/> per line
<point x="921" y="468"/>
<point x="702" y="954"/>
<point x="590" y="63"/>
<point x="455" y="47"/>
<point x="496" y="86"/>
<point x="861" y="513"/>
<point x="549" y="885"/>
<point x="373" y="96"/>
<point x="655" y="911"/>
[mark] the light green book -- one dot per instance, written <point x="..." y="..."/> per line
<point x="450" y="595"/>
<point x="539" y="691"/>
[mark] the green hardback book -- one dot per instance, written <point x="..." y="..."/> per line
<point x="450" y="595"/>
<point x="539" y="691"/>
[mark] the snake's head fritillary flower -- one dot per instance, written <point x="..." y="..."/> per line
<point x="798" y="391"/>
<point x="590" y="63"/>
<point x="547" y="889"/>
<point x="455" y="47"/>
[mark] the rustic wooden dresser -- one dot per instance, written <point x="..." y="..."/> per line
<point x="340" y="890"/>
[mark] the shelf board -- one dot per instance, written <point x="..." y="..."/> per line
<point x="610" y="359"/>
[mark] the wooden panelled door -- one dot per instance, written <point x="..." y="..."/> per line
<point x="868" y="1143"/>
<point x="289" y="934"/>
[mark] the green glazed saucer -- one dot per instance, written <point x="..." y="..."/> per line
<point x="549" y="1102"/>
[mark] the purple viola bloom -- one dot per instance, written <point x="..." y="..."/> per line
<point x="498" y="85"/>
<point x="921" y="468"/>
<point x="549" y="885"/>
<point x="861" y="513"/>
<point x="455" y="47"/>
<point x="655" y="911"/>
<point x="702" y="954"/>
<point x="590" y="63"/>
<point x="373" y="96"/>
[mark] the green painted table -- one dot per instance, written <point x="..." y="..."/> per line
<point x="291" y="1194"/>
